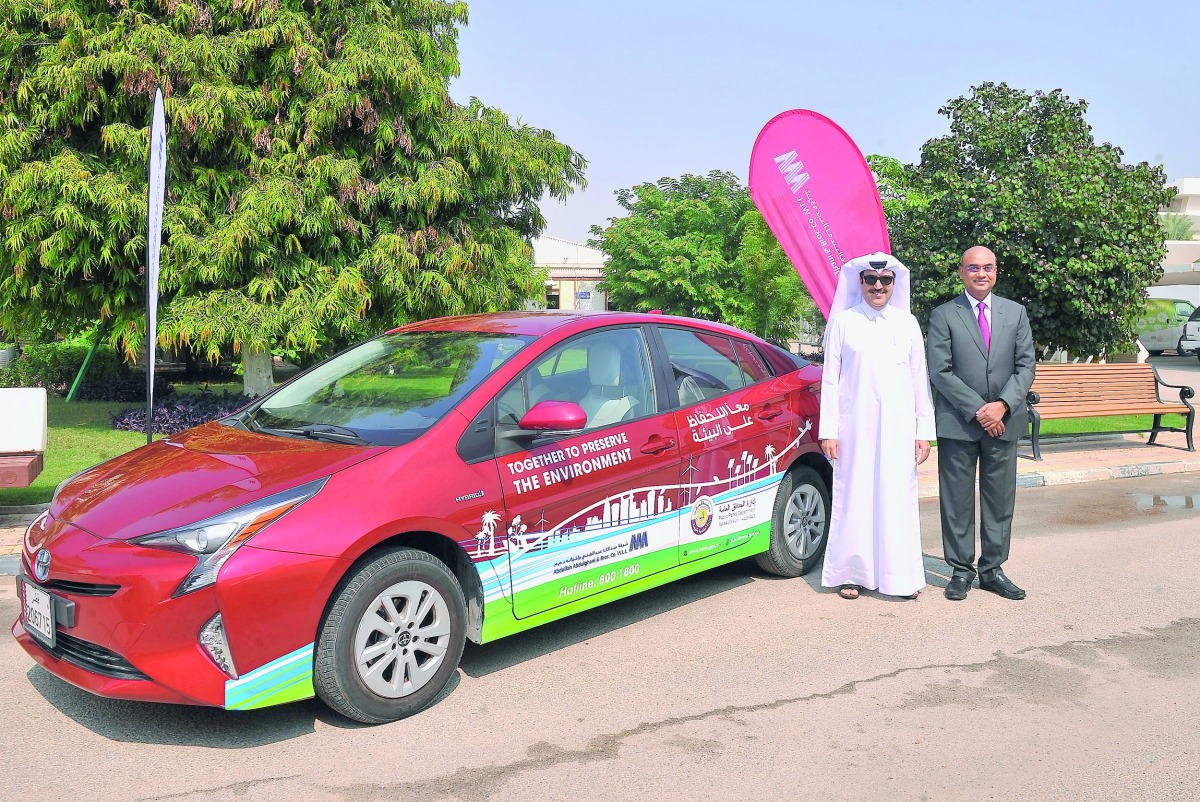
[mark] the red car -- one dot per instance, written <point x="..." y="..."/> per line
<point x="467" y="477"/>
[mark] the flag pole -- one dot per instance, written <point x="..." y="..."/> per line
<point x="155" y="196"/>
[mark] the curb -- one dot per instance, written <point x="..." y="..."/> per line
<point x="929" y="489"/>
<point x="28" y="509"/>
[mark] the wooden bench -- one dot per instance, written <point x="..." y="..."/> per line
<point x="1086" y="391"/>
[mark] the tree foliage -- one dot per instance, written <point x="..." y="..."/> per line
<point x="696" y="246"/>
<point x="321" y="181"/>
<point x="1177" y="227"/>
<point x="1075" y="230"/>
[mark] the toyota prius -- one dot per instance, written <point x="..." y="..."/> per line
<point x="453" y="479"/>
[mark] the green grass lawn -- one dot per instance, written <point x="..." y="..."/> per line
<point x="1112" y="423"/>
<point x="78" y="436"/>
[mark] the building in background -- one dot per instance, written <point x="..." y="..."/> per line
<point x="1181" y="265"/>
<point x="575" y="271"/>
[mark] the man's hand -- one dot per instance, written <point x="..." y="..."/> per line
<point x="830" y="448"/>
<point x="991" y="414"/>
<point x="922" y="451"/>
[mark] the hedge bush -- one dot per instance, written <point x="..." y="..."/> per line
<point x="55" y="365"/>
<point x="182" y="411"/>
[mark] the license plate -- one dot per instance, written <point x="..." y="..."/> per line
<point x="38" y="613"/>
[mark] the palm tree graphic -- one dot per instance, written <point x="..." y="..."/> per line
<point x="487" y="532"/>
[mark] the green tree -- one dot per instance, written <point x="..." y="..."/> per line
<point x="696" y="246"/>
<point x="1075" y="230"/>
<point x="897" y="184"/>
<point x="777" y="306"/>
<point x="322" y="184"/>
<point x="1177" y="227"/>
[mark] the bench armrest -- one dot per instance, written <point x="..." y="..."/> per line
<point x="1032" y="398"/>
<point x="1185" y="392"/>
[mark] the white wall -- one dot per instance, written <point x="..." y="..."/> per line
<point x="1186" y="292"/>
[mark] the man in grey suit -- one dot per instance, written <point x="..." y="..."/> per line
<point x="981" y="363"/>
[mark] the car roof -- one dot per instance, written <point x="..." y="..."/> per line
<point x="539" y="322"/>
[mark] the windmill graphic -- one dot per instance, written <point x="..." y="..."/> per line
<point x="687" y="485"/>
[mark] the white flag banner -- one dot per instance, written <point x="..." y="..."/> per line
<point x="156" y="194"/>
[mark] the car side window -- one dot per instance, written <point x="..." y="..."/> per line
<point x="704" y="365"/>
<point x="754" y="369"/>
<point x="606" y="372"/>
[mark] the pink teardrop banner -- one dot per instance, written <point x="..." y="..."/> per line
<point x="813" y="187"/>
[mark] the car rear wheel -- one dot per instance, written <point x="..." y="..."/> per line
<point x="392" y="638"/>
<point x="1155" y="353"/>
<point x="799" y="525"/>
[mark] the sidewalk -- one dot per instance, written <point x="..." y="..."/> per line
<point x="1067" y="461"/>
<point x="1087" y="459"/>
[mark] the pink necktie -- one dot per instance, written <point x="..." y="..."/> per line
<point x="984" y="328"/>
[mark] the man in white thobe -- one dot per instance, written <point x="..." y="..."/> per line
<point x="876" y="423"/>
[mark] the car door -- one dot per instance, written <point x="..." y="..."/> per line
<point x="734" y="423"/>
<point x="590" y="511"/>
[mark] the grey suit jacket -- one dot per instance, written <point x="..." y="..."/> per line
<point x="965" y="376"/>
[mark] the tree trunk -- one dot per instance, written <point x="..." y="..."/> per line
<point x="257" y="374"/>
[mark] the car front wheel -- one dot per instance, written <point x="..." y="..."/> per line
<point x="799" y="525"/>
<point x="392" y="638"/>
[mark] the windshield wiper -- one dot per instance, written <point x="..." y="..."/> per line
<point x="327" y="432"/>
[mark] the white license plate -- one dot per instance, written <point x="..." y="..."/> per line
<point x="39" y="613"/>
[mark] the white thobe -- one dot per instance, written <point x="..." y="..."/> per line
<point x="875" y="402"/>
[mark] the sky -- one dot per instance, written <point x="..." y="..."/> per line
<point x="661" y="88"/>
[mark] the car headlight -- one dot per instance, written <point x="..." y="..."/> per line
<point x="214" y="540"/>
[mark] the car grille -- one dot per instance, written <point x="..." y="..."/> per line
<point x="81" y="588"/>
<point x="93" y="658"/>
<point x="70" y="586"/>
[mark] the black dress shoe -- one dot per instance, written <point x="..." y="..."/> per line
<point x="1001" y="586"/>
<point x="958" y="587"/>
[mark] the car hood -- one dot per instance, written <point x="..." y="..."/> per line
<point x="192" y="476"/>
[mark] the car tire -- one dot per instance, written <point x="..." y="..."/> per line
<point x="1155" y="353"/>
<point x="799" y="524"/>
<point x="391" y="639"/>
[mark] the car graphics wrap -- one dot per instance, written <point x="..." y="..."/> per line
<point x="286" y="679"/>
<point x="623" y="544"/>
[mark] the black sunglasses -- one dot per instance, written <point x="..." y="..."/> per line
<point x="871" y="280"/>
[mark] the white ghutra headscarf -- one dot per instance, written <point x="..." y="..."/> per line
<point x="849" y="288"/>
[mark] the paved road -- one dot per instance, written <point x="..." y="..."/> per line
<point x="732" y="686"/>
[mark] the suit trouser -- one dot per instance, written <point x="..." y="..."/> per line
<point x="995" y="463"/>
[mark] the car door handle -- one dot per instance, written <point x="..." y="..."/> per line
<point x="657" y="445"/>
<point x="770" y="413"/>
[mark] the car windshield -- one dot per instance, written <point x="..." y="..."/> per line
<point x="387" y="391"/>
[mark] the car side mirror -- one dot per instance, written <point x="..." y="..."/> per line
<point x="554" y="416"/>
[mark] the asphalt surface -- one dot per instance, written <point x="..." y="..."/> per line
<point x="733" y="685"/>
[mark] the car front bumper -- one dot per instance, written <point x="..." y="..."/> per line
<point x="127" y="638"/>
